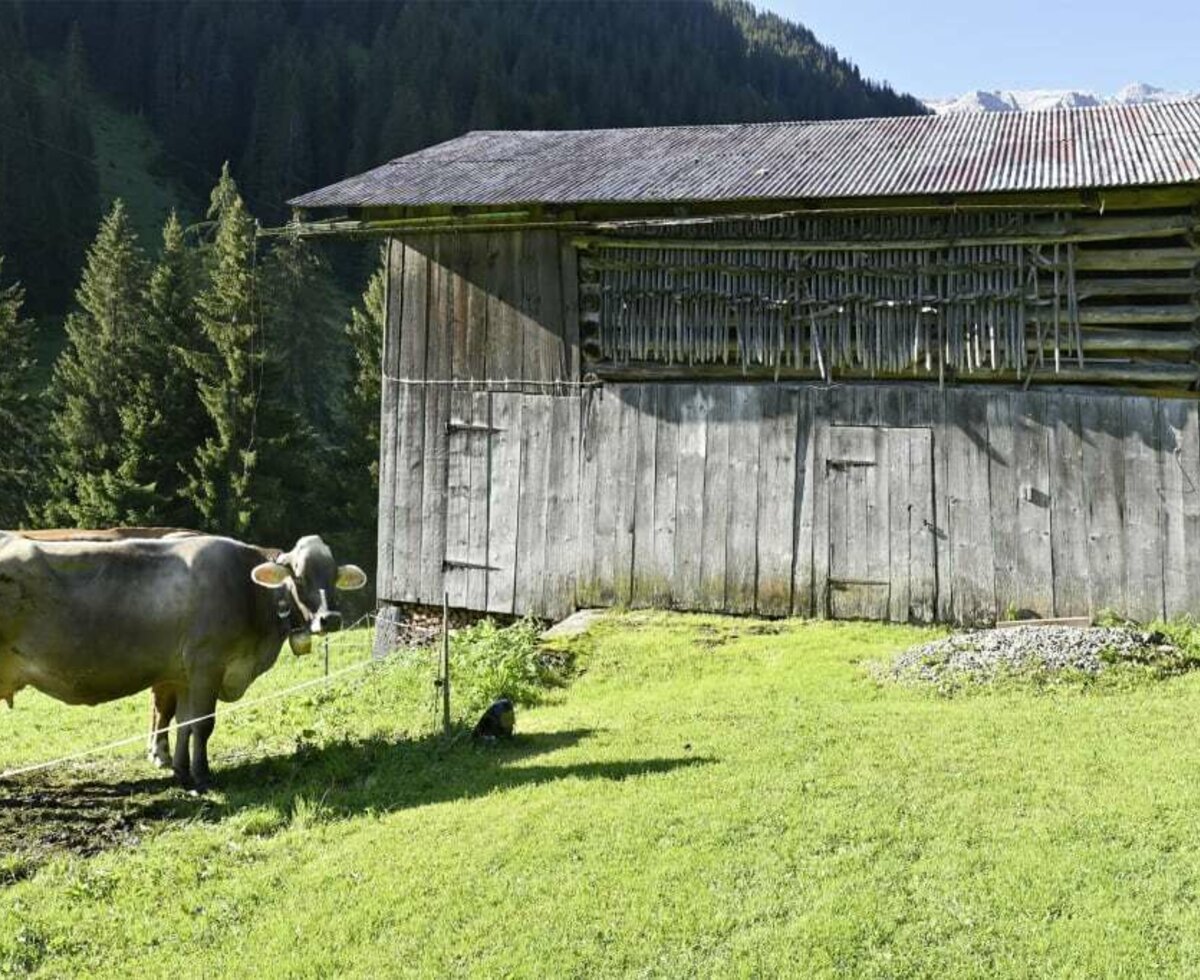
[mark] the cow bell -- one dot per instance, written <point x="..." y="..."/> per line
<point x="300" y="641"/>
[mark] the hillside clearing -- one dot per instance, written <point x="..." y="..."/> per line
<point x="711" y="796"/>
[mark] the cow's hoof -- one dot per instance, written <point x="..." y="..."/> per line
<point x="184" y="779"/>
<point x="159" y="762"/>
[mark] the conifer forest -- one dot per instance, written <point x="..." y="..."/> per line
<point x="163" y="363"/>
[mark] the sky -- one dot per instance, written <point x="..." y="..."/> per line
<point x="933" y="48"/>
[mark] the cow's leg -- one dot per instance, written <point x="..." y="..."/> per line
<point x="194" y="723"/>
<point x="202" y="729"/>
<point x="162" y="710"/>
<point x="182" y="763"/>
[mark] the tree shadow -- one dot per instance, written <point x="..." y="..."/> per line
<point x="341" y="779"/>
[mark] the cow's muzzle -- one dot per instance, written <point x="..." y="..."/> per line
<point x="326" y="622"/>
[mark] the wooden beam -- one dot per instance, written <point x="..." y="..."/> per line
<point x="1110" y="372"/>
<point x="1184" y="313"/>
<point x="1079" y="229"/>
<point x="1174" y="286"/>
<point x="1145" y="259"/>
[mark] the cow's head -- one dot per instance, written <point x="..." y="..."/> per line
<point x="309" y="580"/>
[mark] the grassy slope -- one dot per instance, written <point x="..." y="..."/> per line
<point x="712" y="797"/>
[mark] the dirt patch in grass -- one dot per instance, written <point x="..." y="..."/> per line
<point x="40" y="815"/>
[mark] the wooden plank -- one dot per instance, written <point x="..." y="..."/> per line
<point x="1003" y="483"/>
<point x="562" y="522"/>
<point x="922" y="544"/>
<point x="1122" y="372"/>
<point x="532" y="504"/>
<point x="535" y="355"/>
<point x="410" y="411"/>
<point x="437" y="415"/>
<point x="916" y="406"/>
<point x="389" y="422"/>
<point x="551" y="361"/>
<point x="645" y="586"/>
<point x="802" y="547"/>
<point x="815" y="519"/>
<point x="586" y="593"/>
<point x="1033" y="592"/>
<point x="971" y="559"/>
<point x="1189" y="462"/>
<point x="607" y="422"/>
<point x="689" y="500"/>
<point x="458" y="498"/>
<point x="505" y="353"/>
<point x="741" y="552"/>
<point x="930" y="404"/>
<point x="1143" y="524"/>
<point x="900" y="518"/>
<point x="660" y="574"/>
<point x="480" y="475"/>
<point x="458" y="257"/>
<point x="624" y="489"/>
<point x="1103" y="466"/>
<point x="503" y="500"/>
<point x="569" y="272"/>
<point x="1068" y="520"/>
<point x="777" y="510"/>
<point x="1120" y="260"/>
<point x="1179" y="458"/>
<point x="471" y="308"/>
<point x="716" y="499"/>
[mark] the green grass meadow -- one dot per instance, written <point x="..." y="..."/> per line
<point x="709" y="797"/>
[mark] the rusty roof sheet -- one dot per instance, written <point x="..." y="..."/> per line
<point x="1107" y="146"/>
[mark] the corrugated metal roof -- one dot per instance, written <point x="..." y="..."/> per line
<point x="1107" y="146"/>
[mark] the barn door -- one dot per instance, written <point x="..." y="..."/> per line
<point x="879" y="494"/>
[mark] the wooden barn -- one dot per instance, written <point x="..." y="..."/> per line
<point x="924" y="368"/>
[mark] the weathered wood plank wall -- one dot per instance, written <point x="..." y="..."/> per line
<point x="469" y="479"/>
<point x="878" y="500"/>
<point x="902" y="501"/>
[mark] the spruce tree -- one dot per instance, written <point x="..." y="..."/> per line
<point x="223" y="475"/>
<point x="365" y="331"/>
<point x="17" y="448"/>
<point x="174" y="332"/>
<point x="358" y="493"/>
<point x="103" y="391"/>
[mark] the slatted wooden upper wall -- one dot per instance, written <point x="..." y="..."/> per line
<point x="977" y="296"/>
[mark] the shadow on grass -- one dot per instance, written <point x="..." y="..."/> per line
<point x="335" y="780"/>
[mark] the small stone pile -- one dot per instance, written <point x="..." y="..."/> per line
<point x="985" y="654"/>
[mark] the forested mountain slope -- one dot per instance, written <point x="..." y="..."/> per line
<point x="295" y="94"/>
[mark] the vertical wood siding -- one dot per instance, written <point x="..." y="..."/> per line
<point x="896" y="501"/>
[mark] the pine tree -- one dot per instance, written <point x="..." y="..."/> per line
<point x="222" y="480"/>
<point x="103" y="391"/>
<point x="365" y="331"/>
<point x="303" y="311"/>
<point x="357" y="490"/>
<point x="17" y="449"/>
<point x="174" y="331"/>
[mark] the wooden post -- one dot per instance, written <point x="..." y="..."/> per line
<point x="446" y="663"/>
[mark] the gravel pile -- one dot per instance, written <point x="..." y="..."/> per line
<point x="983" y="654"/>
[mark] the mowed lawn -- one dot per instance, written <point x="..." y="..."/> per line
<point x="710" y="797"/>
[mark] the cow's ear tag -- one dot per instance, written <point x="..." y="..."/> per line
<point x="349" y="578"/>
<point x="270" y="574"/>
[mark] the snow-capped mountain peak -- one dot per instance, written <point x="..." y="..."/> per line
<point x="1034" y="100"/>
